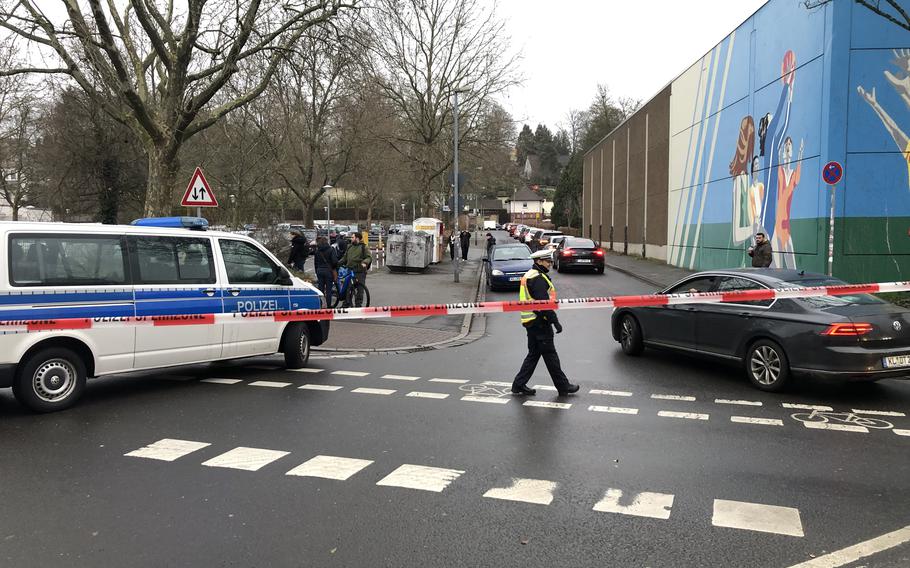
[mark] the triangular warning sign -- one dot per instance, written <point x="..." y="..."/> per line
<point x="198" y="193"/>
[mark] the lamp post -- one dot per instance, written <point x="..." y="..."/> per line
<point x="455" y="208"/>
<point x="328" y="211"/>
<point x="233" y="199"/>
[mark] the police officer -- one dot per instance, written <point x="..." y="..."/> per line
<point x="535" y="285"/>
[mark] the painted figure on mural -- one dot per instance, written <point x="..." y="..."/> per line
<point x="787" y="180"/>
<point x="776" y="132"/>
<point x="902" y="85"/>
<point x="743" y="218"/>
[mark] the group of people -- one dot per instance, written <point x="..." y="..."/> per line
<point x="327" y="259"/>
<point x="464" y="239"/>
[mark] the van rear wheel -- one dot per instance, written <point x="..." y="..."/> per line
<point x="49" y="380"/>
<point x="296" y="346"/>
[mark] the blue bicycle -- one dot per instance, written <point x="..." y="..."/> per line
<point x="347" y="289"/>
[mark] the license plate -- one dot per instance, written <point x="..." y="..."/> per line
<point x="588" y="260"/>
<point x="896" y="361"/>
<point x="515" y="279"/>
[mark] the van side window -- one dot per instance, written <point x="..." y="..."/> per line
<point x="56" y="260"/>
<point x="173" y="260"/>
<point x="246" y="264"/>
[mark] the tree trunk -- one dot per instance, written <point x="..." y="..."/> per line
<point x="160" y="199"/>
<point x="15" y="209"/>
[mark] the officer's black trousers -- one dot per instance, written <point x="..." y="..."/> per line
<point x="540" y="344"/>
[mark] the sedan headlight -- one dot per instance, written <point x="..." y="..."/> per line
<point x="497" y="272"/>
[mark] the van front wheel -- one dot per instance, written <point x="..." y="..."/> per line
<point x="49" y="380"/>
<point x="296" y="347"/>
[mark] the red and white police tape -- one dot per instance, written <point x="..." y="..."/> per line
<point x="20" y="326"/>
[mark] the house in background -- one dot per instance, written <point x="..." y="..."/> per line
<point x="525" y="205"/>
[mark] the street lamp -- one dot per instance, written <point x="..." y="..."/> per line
<point x="455" y="179"/>
<point x="233" y="199"/>
<point x="328" y="210"/>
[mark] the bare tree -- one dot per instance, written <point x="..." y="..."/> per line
<point x="426" y="50"/>
<point x="18" y="126"/>
<point x="575" y="126"/>
<point x="900" y="16"/>
<point x="157" y="68"/>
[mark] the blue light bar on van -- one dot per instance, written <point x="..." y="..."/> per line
<point x="193" y="223"/>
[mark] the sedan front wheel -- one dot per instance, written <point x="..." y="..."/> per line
<point x="767" y="366"/>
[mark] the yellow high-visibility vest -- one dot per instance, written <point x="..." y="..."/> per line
<point x="523" y="295"/>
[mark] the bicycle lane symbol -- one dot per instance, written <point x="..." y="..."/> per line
<point x="493" y="391"/>
<point x="842" y="418"/>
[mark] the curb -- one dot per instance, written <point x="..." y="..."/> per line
<point x="628" y="272"/>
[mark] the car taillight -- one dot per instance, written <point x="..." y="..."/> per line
<point x="599" y="252"/>
<point x="567" y="252"/>
<point x="848" y="329"/>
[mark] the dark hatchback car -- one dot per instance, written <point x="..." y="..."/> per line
<point x="576" y="253"/>
<point x="506" y="265"/>
<point x="854" y="337"/>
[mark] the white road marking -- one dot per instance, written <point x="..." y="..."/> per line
<point x="497" y="384"/>
<point x="330" y="467"/>
<point x="270" y="384"/>
<point x="673" y="397"/>
<point x="853" y="553"/>
<point x="739" y="402"/>
<point x="546" y="404"/>
<point x="752" y="420"/>
<point x="878" y="412"/>
<point x="613" y="409"/>
<point x="538" y="491"/>
<point x="350" y="373"/>
<point x="248" y="459"/>
<point x="688" y="415"/>
<point x="453" y="381"/>
<point x="421" y="477"/>
<point x="490" y="399"/>
<point x="364" y="390"/>
<point x="306" y="370"/>
<point x="320" y="387"/>
<point x="900" y="432"/>
<point x="807" y="406"/>
<point x="400" y="377"/>
<point x="167" y="449"/>
<point x="544" y="387"/>
<point x="419" y="394"/>
<point x="757" y="517"/>
<point x="838" y="427"/>
<point x="653" y="505"/>
<point x="609" y="392"/>
<point x="222" y="381"/>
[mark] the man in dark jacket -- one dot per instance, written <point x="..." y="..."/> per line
<point x="299" y="250"/>
<point x="761" y="252"/>
<point x="465" y="243"/>
<point x="536" y="285"/>
<point x="491" y="241"/>
<point x="326" y="262"/>
<point x="357" y="257"/>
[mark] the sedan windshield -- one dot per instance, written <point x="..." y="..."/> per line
<point x="511" y="253"/>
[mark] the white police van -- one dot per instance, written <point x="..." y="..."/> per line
<point x="86" y="300"/>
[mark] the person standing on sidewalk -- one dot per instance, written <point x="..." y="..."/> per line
<point x="299" y="250"/>
<point x="465" y="243"/>
<point x="536" y="285"/>
<point x="452" y="239"/>
<point x="491" y="241"/>
<point x="761" y="252"/>
<point x="357" y="258"/>
<point x="326" y="262"/>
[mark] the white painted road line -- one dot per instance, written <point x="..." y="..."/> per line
<point x="688" y="415"/>
<point x="167" y="449"/>
<point x="752" y="420"/>
<point x="609" y="392"/>
<point x="900" y="432"/>
<point x="497" y="384"/>
<point x="489" y="399"/>
<point x="853" y="553"/>
<point x="838" y="427"/>
<point x="320" y="387"/>
<point x="350" y="373"/>
<point x="400" y="377"/>
<point x="673" y="397"/>
<point x="757" y="517"/>
<point x="306" y="370"/>
<point x="739" y="402"/>
<point x="222" y="381"/>
<point x="453" y="381"/>
<point x="653" y="505"/>
<point x="544" y="387"/>
<point x="247" y="459"/>
<point x="269" y="384"/>
<point x="878" y="412"/>
<point x="807" y="406"/>
<point x="364" y="390"/>
<point x="419" y="394"/>
<point x="613" y="409"/>
<point x="537" y="491"/>
<point x="330" y="467"/>
<point x="421" y="477"/>
<point x="545" y="404"/>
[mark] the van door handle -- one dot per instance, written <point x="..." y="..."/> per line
<point x="234" y="291"/>
<point x="209" y="292"/>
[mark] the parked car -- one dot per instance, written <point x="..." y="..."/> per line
<point x="544" y="236"/>
<point x="554" y="242"/>
<point x="578" y="253"/>
<point x="855" y="337"/>
<point x="506" y="265"/>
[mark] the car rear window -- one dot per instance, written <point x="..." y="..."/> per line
<point x="828" y="301"/>
<point x="580" y="243"/>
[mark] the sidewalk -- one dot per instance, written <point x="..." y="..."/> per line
<point x="654" y="272"/>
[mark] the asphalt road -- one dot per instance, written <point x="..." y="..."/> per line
<point x="514" y="485"/>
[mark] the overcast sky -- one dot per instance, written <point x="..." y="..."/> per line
<point x="634" y="47"/>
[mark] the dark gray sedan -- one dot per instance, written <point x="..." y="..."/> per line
<point x="856" y="337"/>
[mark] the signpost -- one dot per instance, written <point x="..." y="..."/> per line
<point x="198" y="193"/>
<point x="832" y="173"/>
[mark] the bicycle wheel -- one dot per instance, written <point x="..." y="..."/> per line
<point x="872" y="423"/>
<point x="336" y="297"/>
<point x="809" y="417"/>
<point x="356" y="289"/>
